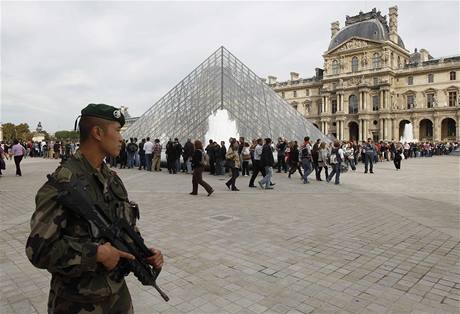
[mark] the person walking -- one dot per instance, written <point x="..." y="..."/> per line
<point x="398" y="156"/>
<point x="323" y="155"/>
<point x="256" y="163"/>
<point x="349" y="156"/>
<point x="233" y="161"/>
<point x="281" y="151"/>
<point x="306" y="159"/>
<point x="336" y="160"/>
<point x="198" y="167"/>
<point x="267" y="161"/>
<point x="18" y="152"/>
<point x="294" y="160"/>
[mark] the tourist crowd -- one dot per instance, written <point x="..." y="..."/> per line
<point x="259" y="155"/>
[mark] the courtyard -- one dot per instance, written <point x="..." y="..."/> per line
<point x="382" y="243"/>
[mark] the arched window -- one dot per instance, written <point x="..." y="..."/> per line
<point x="353" y="104"/>
<point x="354" y="64"/>
<point x="376" y="61"/>
<point x="335" y="67"/>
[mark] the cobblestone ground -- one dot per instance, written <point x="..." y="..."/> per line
<point x="381" y="243"/>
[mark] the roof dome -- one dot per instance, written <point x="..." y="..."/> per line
<point x="370" y="26"/>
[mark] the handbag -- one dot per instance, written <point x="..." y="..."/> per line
<point x="230" y="163"/>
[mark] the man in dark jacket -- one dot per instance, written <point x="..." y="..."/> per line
<point x="188" y="155"/>
<point x="177" y="153"/>
<point x="267" y="161"/>
<point x="211" y="154"/>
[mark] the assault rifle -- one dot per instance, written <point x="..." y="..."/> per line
<point x="74" y="197"/>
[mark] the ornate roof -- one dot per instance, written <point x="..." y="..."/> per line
<point x="370" y="25"/>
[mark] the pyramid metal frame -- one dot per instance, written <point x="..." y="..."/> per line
<point x="222" y="81"/>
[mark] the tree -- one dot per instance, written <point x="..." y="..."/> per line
<point x="8" y="131"/>
<point x="20" y="131"/>
<point x="67" y="135"/>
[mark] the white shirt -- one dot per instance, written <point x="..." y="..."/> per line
<point x="148" y="147"/>
<point x="341" y="154"/>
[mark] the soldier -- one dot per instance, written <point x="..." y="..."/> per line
<point x="82" y="266"/>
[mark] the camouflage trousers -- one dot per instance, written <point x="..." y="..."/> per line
<point x="119" y="303"/>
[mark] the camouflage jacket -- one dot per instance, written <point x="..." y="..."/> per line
<point x="63" y="244"/>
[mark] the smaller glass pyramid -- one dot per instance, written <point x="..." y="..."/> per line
<point x="222" y="82"/>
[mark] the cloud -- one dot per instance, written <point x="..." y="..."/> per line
<point x="59" y="56"/>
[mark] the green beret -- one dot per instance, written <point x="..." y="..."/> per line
<point x="105" y="112"/>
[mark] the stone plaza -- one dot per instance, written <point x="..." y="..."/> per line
<point x="387" y="242"/>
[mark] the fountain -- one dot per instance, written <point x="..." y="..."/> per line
<point x="408" y="134"/>
<point x="220" y="127"/>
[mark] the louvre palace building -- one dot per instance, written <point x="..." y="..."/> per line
<point x="371" y="85"/>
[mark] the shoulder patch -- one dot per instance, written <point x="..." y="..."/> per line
<point x="63" y="174"/>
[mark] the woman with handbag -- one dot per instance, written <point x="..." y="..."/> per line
<point x="18" y="152"/>
<point x="233" y="162"/>
<point x="198" y="167"/>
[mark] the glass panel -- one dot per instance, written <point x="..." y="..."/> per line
<point x="222" y="82"/>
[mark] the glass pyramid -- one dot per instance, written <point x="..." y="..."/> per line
<point x="222" y="82"/>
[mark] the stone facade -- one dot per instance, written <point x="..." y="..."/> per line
<point x="371" y="85"/>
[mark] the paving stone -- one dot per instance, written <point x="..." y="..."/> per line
<point x="370" y="254"/>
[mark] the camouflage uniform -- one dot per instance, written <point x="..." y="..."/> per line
<point x="62" y="243"/>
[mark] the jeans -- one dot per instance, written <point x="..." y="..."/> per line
<point x="131" y="159"/>
<point x="245" y="167"/>
<point x="351" y="162"/>
<point x="335" y="171"/>
<point x="148" y="162"/>
<point x="142" y="161"/>
<point x="307" y="169"/>
<point x="255" y="171"/>
<point x="188" y="164"/>
<point x="177" y="164"/>
<point x="136" y="159"/>
<point x="268" y="177"/>
<point x="17" y="162"/>
<point x="368" y="162"/>
<point x="235" y="174"/>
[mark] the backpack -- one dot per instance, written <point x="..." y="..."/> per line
<point x="305" y="153"/>
<point x="335" y="157"/>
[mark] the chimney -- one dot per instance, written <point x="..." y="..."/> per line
<point x="335" y="28"/>
<point x="271" y="79"/>
<point x="393" y="13"/>
<point x="424" y="55"/>
<point x="294" y="76"/>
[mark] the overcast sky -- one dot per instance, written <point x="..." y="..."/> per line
<point x="56" y="57"/>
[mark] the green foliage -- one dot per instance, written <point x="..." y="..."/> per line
<point x="67" y="135"/>
<point x="20" y="131"/>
